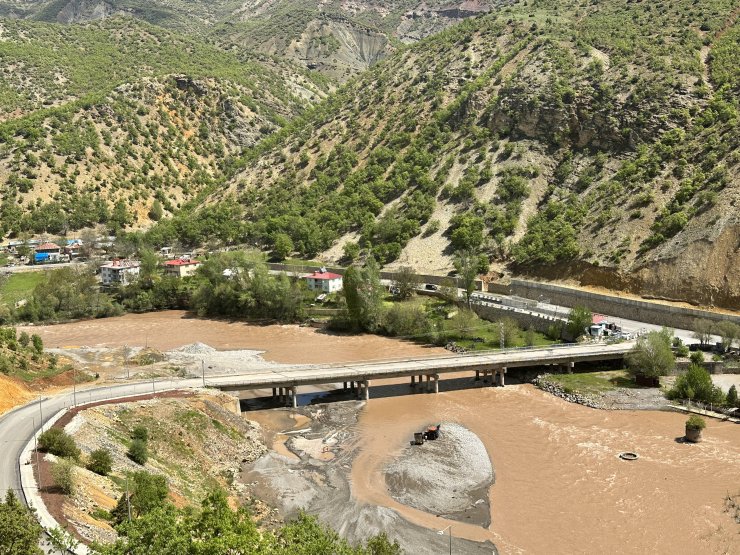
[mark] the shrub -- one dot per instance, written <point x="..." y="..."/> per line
<point x="138" y="452"/>
<point x="57" y="442"/>
<point x="696" y="422"/>
<point x="140" y="432"/>
<point x="100" y="462"/>
<point x="63" y="473"/>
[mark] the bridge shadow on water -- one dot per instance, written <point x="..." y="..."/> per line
<point x="315" y="395"/>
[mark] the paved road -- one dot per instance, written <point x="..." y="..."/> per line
<point x="284" y="376"/>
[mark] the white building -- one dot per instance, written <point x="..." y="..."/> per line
<point x="324" y="281"/>
<point x="119" y="272"/>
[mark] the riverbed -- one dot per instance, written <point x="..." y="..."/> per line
<point x="559" y="486"/>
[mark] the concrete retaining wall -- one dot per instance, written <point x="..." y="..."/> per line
<point x="525" y="320"/>
<point x="631" y="309"/>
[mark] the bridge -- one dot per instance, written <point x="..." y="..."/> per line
<point x="492" y="366"/>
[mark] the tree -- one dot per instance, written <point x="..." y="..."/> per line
<point x="100" y="462"/>
<point x="57" y="442"/>
<point x="405" y="282"/>
<point x="282" y="246"/>
<point x="363" y="296"/>
<point x="466" y="264"/>
<point x="62" y="540"/>
<point x="728" y="331"/>
<point x="732" y="399"/>
<point x="19" y="529"/>
<point x="64" y="478"/>
<point x="652" y="355"/>
<point x="579" y="319"/>
<point x="703" y="330"/>
<point x="156" y="212"/>
<point x="138" y="452"/>
<point x="148" y="268"/>
<point x="146" y="493"/>
<point x="696" y="384"/>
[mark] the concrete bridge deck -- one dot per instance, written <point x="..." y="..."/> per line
<point x="493" y="364"/>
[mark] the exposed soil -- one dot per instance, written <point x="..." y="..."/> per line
<point x="12" y="393"/>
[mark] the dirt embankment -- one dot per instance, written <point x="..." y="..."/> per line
<point x="196" y="442"/>
<point x="13" y="393"/>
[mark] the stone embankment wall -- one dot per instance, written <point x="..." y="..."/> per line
<point x="555" y="389"/>
<point x="643" y="311"/>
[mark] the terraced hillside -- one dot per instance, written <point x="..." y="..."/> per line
<point x="597" y="142"/>
<point x="100" y="123"/>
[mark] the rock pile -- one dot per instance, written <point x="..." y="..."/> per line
<point x="556" y="389"/>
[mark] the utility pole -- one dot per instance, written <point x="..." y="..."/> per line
<point x="128" y="500"/>
<point x="74" y="386"/>
<point x="36" y="449"/>
<point x="41" y="412"/>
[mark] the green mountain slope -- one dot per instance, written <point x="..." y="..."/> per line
<point x="125" y="112"/>
<point x="337" y="38"/>
<point x="595" y="141"/>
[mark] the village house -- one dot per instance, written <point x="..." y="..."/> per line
<point x="119" y="272"/>
<point x="321" y="280"/>
<point x="47" y="252"/>
<point x="73" y="248"/>
<point x="181" y="267"/>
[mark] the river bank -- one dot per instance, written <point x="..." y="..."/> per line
<point x="560" y="486"/>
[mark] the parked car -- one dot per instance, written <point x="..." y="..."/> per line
<point x="431" y="287"/>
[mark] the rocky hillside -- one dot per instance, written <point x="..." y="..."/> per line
<point x="597" y="142"/>
<point x="336" y="37"/>
<point x="99" y="123"/>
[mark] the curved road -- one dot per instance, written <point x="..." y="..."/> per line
<point x="18" y="426"/>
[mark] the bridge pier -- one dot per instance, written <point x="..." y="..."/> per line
<point x="366" y="385"/>
<point x="413" y="382"/>
<point x="294" y="397"/>
<point x="477" y="375"/>
<point x="274" y="392"/>
<point x="344" y="385"/>
<point x="436" y="383"/>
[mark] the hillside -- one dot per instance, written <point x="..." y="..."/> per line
<point x="336" y="37"/>
<point x="594" y="142"/>
<point x="99" y="121"/>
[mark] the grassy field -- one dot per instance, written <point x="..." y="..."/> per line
<point x="593" y="382"/>
<point x="19" y="286"/>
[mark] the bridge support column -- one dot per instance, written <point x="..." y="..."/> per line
<point x="280" y="395"/>
<point x="294" y="397"/>
<point x="569" y="367"/>
<point x="274" y="391"/>
<point x="436" y="383"/>
<point x="344" y="385"/>
<point x="366" y="386"/>
<point x="428" y="387"/>
<point x="477" y="375"/>
<point x="358" y="390"/>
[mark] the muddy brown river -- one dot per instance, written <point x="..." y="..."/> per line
<point x="560" y="486"/>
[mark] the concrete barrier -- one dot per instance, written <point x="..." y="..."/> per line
<point x="631" y="309"/>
